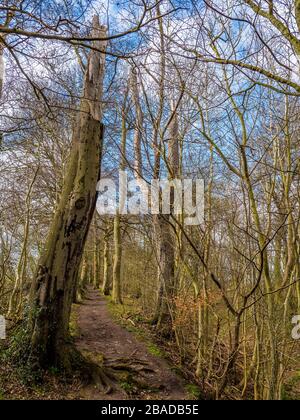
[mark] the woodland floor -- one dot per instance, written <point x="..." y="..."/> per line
<point x="99" y="335"/>
<point x="101" y="339"/>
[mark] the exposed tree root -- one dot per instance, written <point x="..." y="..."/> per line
<point x="107" y="376"/>
<point x="135" y="365"/>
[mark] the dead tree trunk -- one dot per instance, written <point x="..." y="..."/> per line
<point x="53" y="287"/>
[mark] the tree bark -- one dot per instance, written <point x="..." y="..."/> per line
<point x="81" y="281"/>
<point x="117" y="268"/>
<point x="297" y="13"/>
<point x="96" y="277"/>
<point x="106" y="287"/>
<point x="1" y="67"/>
<point x="116" y="293"/>
<point x="166" y="240"/>
<point x="16" y="298"/>
<point x="1" y="79"/>
<point x="53" y="287"/>
<point x="138" y="167"/>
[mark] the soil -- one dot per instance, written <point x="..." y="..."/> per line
<point x="101" y="337"/>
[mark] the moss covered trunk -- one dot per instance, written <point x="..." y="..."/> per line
<point x="53" y="287"/>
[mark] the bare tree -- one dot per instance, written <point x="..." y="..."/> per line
<point x="52" y="289"/>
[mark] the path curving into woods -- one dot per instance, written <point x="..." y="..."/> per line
<point x="100" y="335"/>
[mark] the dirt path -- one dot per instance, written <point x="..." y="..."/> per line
<point x="100" y="335"/>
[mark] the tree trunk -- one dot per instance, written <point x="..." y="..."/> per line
<point x="116" y="293"/>
<point x="53" y="286"/>
<point x="138" y="130"/>
<point x="81" y="281"/>
<point x="9" y="16"/>
<point x="1" y="79"/>
<point x="297" y="13"/>
<point x="166" y="240"/>
<point x="96" y="279"/>
<point x="16" y="298"/>
<point x="107" y="267"/>
<point x="1" y="68"/>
